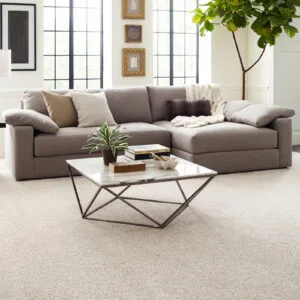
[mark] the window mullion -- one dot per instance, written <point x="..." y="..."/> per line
<point x="171" y="43"/>
<point x="198" y="49"/>
<point x="101" y="48"/>
<point x="71" y="47"/>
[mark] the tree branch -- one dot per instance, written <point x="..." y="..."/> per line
<point x="238" y="51"/>
<point x="262" y="53"/>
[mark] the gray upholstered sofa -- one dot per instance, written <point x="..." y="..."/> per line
<point x="225" y="147"/>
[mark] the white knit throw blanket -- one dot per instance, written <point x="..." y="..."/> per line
<point x="192" y="122"/>
<point x="198" y="92"/>
<point x="208" y="92"/>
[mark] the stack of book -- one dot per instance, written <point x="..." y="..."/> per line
<point x="144" y="152"/>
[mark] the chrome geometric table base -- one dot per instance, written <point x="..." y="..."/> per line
<point x="86" y="213"/>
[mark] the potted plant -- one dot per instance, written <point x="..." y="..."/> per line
<point x="268" y="19"/>
<point x="110" y="141"/>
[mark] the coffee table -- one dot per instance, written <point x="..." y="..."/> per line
<point x="95" y="171"/>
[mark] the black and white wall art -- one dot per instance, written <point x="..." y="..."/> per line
<point x="18" y="33"/>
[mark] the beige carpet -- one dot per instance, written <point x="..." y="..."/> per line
<point x="240" y="239"/>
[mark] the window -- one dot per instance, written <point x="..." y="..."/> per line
<point x="73" y="44"/>
<point x="176" y="43"/>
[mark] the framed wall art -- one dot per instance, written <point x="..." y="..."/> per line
<point x="133" y="62"/>
<point x="133" y="33"/>
<point x="18" y="33"/>
<point x="133" y="9"/>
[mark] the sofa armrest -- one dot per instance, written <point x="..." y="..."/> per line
<point x="283" y="126"/>
<point x="19" y="151"/>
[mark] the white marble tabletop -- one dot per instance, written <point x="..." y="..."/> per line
<point x="97" y="172"/>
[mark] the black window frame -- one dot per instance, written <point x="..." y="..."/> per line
<point x="171" y="46"/>
<point x="71" y="54"/>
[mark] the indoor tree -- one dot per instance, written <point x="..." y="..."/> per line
<point x="267" y="18"/>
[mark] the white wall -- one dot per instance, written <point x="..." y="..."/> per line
<point x="286" y="75"/>
<point x="115" y="36"/>
<point x="225" y="69"/>
<point x="259" y="79"/>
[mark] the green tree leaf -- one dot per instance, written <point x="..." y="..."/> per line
<point x="290" y="30"/>
<point x="208" y="26"/>
<point x="196" y="18"/>
<point x="231" y="26"/>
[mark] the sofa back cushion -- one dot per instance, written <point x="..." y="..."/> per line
<point x="159" y="96"/>
<point x="129" y="105"/>
<point x="34" y="99"/>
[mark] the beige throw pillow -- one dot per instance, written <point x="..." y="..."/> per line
<point x="61" y="109"/>
<point x="92" y="109"/>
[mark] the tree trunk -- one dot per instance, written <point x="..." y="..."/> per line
<point x="244" y="70"/>
<point x="244" y="86"/>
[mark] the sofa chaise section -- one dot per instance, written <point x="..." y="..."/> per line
<point x="225" y="147"/>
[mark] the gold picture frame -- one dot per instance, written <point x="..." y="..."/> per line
<point x="133" y="33"/>
<point x="133" y="62"/>
<point x="133" y="9"/>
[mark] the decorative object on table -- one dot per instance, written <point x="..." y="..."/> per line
<point x="133" y="62"/>
<point x="133" y="9"/>
<point x="133" y="33"/>
<point x="5" y="63"/>
<point x="110" y="141"/>
<point x="123" y="167"/>
<point x="141" y="152"/>
<point x="164" y="162"/>
<point x="18" y="33"/>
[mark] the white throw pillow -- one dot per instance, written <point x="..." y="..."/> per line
<point x="92" y="109"/>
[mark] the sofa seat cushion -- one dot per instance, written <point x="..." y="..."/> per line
<point x="221" y="137"/>
<point x="70" y="140"/>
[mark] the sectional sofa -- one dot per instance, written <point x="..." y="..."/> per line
<point x="142" y="112"/>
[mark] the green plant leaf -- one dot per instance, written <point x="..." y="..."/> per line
<point x="239" y="21"/>
<point x="262" y="42"/>
<point x="107" y="138"/>
<point x="196" y="18"/>
<point x="231" y="26"/>
<point x="285" y="12"/>
<point x="208" y="26"/>
<point x="290" y="30"/>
